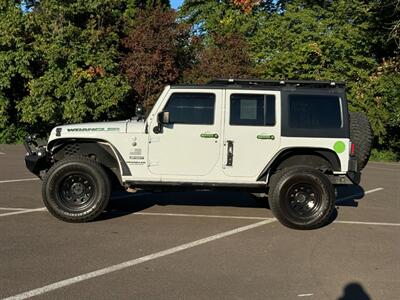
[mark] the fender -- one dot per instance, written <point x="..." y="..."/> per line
<point x="325" y="158"/>
<point x="101" y="150"/>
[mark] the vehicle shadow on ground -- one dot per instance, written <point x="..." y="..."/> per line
<point x="136" y="202"/>
<point x="348" y="194"/>
<point x="123" y="203"/>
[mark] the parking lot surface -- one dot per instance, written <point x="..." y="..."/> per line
<point x="198" y="245"/>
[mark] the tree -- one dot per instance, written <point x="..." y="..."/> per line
<point x="224" y="56"/>
<point x="16" y="67"/>
<point x="379" y="97"/>
<point x="225" y="16"/>
<point x="395" y="29"/>
<point x="316" y="42"/>
<point x="336" y="40"/>
<point x="154" y="49"/>
<point x="78" y="78"/>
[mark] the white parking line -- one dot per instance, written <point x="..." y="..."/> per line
<point x="19" y="180"/>
<point x="17" y="211"/>
<point x="133" y="262"/>
<point x="367" y="223"/>
<point x="13" y="208"/>
<point x="202" y="216"/>
<point x="358" y="195"/>
<point x="22" y="212"/>
<point x="305" y="295"/>
<point x="373" y="191"/>
<point x="2" y="153"/>
<point x="255" y="218"/>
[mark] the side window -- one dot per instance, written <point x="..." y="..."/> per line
<point x="252" y="110"/>
<point x="314" y="111"/>
<point x="191" y="108"/>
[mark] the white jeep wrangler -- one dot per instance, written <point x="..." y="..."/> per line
<point x="294" y="140"/>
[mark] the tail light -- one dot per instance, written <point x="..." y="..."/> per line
<point x="352" y="149"/>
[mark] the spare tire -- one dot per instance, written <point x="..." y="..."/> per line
<point x="361" y="137"/>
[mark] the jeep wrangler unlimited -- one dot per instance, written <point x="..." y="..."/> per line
<point x="294" y="140"/>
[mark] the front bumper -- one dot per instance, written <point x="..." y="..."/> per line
<point x="37" y="158"/>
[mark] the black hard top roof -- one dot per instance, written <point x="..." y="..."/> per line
<point x="273" y="84"/>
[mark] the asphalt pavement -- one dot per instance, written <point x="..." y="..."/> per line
<point x="198" y="245"/>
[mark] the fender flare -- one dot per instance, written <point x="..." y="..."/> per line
<point x="103" y="150"/>
<point x="326" y="154"/>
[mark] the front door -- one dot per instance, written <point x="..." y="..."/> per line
<point x="252" y="131"/>
<point x="190" y="146"/>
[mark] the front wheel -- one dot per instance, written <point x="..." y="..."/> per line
<point x="76" y="189"/>
<point x="301" y="198"/>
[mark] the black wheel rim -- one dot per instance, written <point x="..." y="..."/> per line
<point x="76" y="192"/>
<point x="303" y="200"/>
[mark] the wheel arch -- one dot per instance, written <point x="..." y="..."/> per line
<point x="101" y="150"/>
<point x="325" y="159"/>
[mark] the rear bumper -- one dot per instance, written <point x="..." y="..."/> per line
<point x="353" y="174"/>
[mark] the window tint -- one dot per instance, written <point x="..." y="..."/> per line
<point x="314" y="111"/>
<point x="191" y="108"/>
<point x="252" y="110"/>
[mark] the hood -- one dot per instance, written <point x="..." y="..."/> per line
<point x="95" y="130"/>
<point x="95" y="127"/>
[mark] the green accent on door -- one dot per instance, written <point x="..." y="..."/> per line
<point x="209" y="135"/>
<point x="339" y="147"/>
<point x="265" y="137"/>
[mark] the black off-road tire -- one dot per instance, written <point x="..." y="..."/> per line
<point x="361" y="136"/>
<point x="76" y="189"/>
<point x="309" y="186"/>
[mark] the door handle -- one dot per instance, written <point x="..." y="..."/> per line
<point x="265" y="137"/>
<point x="229" y="161"/>
<point x="209" y="135"/>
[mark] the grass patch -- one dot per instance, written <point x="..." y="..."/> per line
<point x="384" y="155"/>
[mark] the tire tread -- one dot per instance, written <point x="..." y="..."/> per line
<point x="73" y="159"/>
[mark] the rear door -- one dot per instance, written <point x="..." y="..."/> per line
<point x="251" y="131"/>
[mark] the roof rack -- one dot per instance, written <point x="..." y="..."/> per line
<point x="296" y="83"/>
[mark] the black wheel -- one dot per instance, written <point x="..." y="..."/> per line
<point x="76" y="189"/>
<point x="301" y="197"/>
<point x="361" y="136"/>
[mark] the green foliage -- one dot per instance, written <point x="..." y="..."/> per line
<point x="16" y="56"/>
<point x="316" y="42"/>
<point x="384" y="155"/>
<point x="222" y="17"/>
<point x="79" y="76"/>
<point x="379" y="97"/>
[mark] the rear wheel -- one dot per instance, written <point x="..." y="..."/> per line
<point x="76" y="189"/>
<point x="301" y="198"/>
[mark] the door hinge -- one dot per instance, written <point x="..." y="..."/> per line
<point x="154" y="139"/>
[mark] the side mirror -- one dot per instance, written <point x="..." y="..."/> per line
<point x="163" y="117"/>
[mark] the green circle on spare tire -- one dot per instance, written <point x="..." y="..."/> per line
<point x="339" y="147"/>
